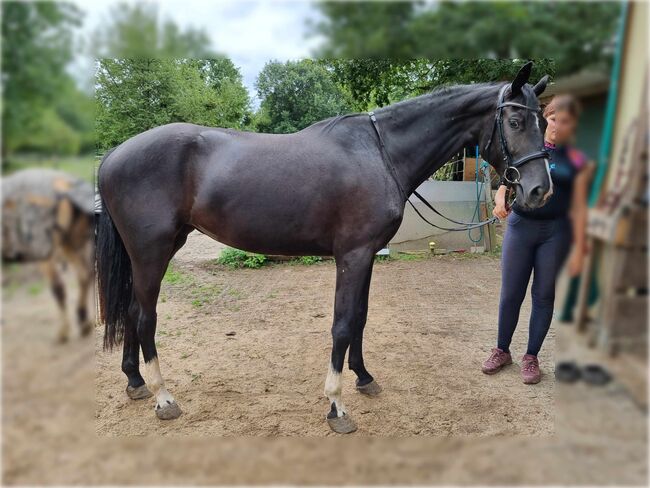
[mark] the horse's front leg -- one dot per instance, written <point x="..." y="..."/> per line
<point x="353" y="271"/>
<point x="365" y="382"/>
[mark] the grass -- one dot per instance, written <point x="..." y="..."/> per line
<point x="175" y="276"/>
<point x="307" y="260"/>
<point x="80" y="166"/>
<point x="235" y="258"/>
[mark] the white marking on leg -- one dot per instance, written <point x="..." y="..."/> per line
<point x="156" y="384"/>
<point x="333" y="388"/>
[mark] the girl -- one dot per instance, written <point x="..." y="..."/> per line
<point x="539" y="240"/>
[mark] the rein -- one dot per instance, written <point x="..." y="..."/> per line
<point x="465" y="226"/>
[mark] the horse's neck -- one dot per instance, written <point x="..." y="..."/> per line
<point x="421" y="134"/>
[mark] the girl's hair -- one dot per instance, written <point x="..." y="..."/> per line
<point x="563" y="103"/>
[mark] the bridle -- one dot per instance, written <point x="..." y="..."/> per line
<point x="507" y="156"/>
<point x="511" y="175"/>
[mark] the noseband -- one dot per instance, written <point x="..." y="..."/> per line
<point x="511" y="174"/>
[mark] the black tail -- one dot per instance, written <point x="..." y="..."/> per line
<point x="114" y="279"/>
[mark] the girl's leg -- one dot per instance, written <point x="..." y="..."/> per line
<point x="517" y="258"/>
<point x="549" y="259"/>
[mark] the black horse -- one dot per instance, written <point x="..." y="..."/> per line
<point x="338" y="187"/>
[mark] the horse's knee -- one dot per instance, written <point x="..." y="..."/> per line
<point x="342" y="333"/>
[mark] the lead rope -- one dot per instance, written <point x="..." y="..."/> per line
<point x="466" y="226"/>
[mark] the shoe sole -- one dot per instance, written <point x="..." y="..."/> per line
<point x="532" y="382"/>
<point x="495" y="371"/>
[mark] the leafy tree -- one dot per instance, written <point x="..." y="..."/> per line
<point x="296" y="94"/>
<point x="135" y="31"/>
<point x="574" y="34"/>
<point x="36" y="47"/>
<point x="378" y="82"/>
<point x="134" y="95"/>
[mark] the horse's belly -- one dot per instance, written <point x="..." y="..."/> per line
<point x="268" y="227"/>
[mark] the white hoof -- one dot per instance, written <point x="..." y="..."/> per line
<point x="169" y="411"/>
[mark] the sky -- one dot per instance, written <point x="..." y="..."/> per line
<point x="250" y="32"/>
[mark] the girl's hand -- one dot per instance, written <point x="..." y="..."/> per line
<point x="576" y="260"/>
<point x="501" y="209"/>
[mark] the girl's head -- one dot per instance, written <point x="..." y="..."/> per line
<point x="561" y="114"/>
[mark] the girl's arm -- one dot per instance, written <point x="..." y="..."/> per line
<point x="579" y="217"/>
<point x="501" y="209"/>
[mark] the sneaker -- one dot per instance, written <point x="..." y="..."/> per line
<point x="497" y="360"/>
<point x="530" y="369"/>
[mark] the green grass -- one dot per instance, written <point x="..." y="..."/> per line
<point x="177" y="277"/>
<point x="307" y="260"/>
<point x="81" y="166"/>
<point x="234" y="258"/>
<point x="36" y="288"/>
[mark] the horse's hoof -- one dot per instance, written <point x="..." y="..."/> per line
<point x="138" y="393"/>
<point x="371" y="389"/>
<point x="86" y="329"/>
<point x="342" y="425"/>
<point x="169" y="411"/>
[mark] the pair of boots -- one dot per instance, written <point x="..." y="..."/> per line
<point x="530" y="372"/>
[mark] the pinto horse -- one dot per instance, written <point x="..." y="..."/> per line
<point x="338" y="187"/>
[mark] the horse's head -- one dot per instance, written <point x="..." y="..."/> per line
<point x="515" y="144"/>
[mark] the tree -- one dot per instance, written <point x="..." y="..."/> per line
<point x="135" y="31"/>
<point x="134" y="95"/>
<point x="296" y="94"/>
<point x="575" y="34"/>
<point x="378" y="82"/>
<point x="36" y="47"/>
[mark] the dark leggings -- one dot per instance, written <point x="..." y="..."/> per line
<point x="528" y="244"/>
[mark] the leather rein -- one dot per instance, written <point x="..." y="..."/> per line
<point x="507" y="157"/>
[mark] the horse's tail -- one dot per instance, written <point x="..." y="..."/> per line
<point x="114" y="279"/>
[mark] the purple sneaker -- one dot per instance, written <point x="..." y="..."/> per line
<point x="530" y="369"/>
<point x="497" y="360"/>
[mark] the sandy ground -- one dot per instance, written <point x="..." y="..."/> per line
<point x="431" y="322"/>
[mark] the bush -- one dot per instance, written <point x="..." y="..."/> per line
<point x="309" y="260"/>
<point x="236" y="258"/>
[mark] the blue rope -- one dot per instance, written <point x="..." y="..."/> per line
<point x="477" y="210"/>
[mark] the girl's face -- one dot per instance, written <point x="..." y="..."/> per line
<point x="561" y="127"/>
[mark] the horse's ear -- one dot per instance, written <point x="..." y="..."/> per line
<point x="522" y="78"/>
<point x="541" y="85"/>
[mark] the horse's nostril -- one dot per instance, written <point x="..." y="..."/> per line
<point x="537" y="192"/>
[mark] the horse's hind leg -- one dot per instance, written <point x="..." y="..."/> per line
<point x="148" y="268"/>
<point x="81" y="260"/>
<point x="353" y="270"/>
<point x="58" y="290"/>
<point x="136" y="388"/>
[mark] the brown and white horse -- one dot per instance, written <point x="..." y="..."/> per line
<point x="47" y="218"/>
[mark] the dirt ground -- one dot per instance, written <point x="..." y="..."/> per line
<point x="431" y="323"/>
<point x="253" y="403"/>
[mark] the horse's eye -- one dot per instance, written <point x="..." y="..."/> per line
<point x="514" y="124"/>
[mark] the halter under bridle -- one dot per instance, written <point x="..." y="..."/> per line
<point x="511" y="174"/>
